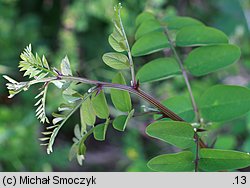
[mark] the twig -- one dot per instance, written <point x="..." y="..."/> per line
<point x="184" y="73"/>
<point x="131" y="63"/>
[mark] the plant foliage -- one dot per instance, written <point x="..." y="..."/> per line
<point x="180" y="121"/>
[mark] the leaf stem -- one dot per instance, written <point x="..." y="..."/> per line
<point x="165" y="111"/>
<point x="197" y="158"/>
<point x="131" y="63"/>
<point x="184" y="73"/>
<point x="137" y="91"/>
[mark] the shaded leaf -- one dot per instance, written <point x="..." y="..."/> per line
<point x="178" y="162"/>
<point x="88" y="112"/>
<point x="100" y="131"/>
<point x="150" y="43"/>
<point x="207" y="59"/>
<point x="120" y="99"/>
<point x="217" y="160"/>
<point x="120" y="122"/>
<point x="147" y="27"/>
<point x="225" y="142"/>
<point x="100" y="105"/>
<point x="178" y="22"/>
<point x="180" y="134"/>
<point x="116" y="60"/>
<point x="65" y="67"/>
<point x="225" y="102"/>
<point x="158" y="69"/>
<point x="73" y="151"/>
<point x="144" y="16"/>
<point x="70" y="95"/>
<point x="182" y="106"/>
<point x="200" y="36"/>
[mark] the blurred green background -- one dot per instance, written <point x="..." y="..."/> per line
<point x="79" y="29"/>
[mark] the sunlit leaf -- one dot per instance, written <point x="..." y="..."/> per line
<point x="65" y="67"/>
<point x="116" y="60"/>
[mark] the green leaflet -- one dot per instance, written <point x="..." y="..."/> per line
<point x="88" y="112"/>
<point x="78" y="149"/>
<point x="207" y="59"/>
<point x="217" y="160"/>
<point x="200" y="36"/>
<point x="178" y="162"/>
<point x="178" y="22"/>
<point x="100" y="105"/>
<point x="100" y="131"/>
<point x="225" y="142"/>
<point x="182" y="106"/>
<point x="65" y="67"/>
<point x="224" y="102"/>
<point x="120" y="122"/>
<point x="116" y="60"/>
<point x="73" y="151"/>
<point x="180" y="134"/>
<point x="40" y="111"/>
<point x="33" y="66"/>
<point x="120" y="99"/>
<point x="71" y="95"/>
<point x="59" y="120"/>
<point x="150" y="43"/>
<point x="117" y="42"/>
<point x="158" y="69"/>
<point x="144" y="16"/>
<point x="147" y="27"/>
<point x="117" y="39"/>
